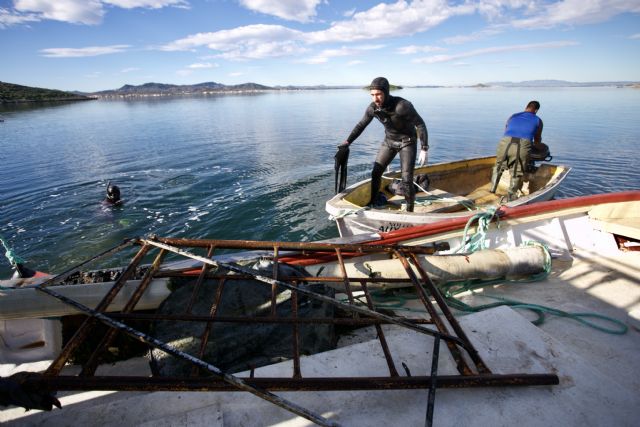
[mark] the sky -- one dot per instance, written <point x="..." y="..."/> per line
<point x="93" y="45"/>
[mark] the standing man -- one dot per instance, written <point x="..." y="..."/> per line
<point x="522" y="129"/>
<point x="402" y="126"/>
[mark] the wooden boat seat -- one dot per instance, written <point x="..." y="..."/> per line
<point x="435" y="200"/>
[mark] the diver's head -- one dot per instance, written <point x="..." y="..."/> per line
<point x="379" y="89"/>
<point x="113" y="193"/>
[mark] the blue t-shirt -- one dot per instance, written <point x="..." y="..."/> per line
<point x="522" y="125"/>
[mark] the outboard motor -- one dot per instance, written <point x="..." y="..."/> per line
<point x="539" y="153"/>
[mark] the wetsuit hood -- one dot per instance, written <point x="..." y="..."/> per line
<point x="113" y="193"/>
<point x="381" y="83"/>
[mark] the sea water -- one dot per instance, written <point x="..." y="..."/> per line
<point x="260" y="166"/>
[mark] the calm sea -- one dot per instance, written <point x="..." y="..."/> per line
<point x="259" y="166"/>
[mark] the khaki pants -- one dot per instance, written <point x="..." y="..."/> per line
<point x="512" y="154"/>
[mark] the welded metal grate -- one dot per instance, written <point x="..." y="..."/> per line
<point x="438" y="323"/>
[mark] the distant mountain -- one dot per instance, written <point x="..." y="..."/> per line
<point x="12" y="93"/>
<point x="559" y="83"/>
<point x="163" y="89"/>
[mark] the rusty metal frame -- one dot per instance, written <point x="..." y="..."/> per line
<point x="473" y="372"/>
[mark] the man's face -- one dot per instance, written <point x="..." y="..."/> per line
<point x="377" y="97"/>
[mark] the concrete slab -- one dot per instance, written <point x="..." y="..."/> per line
<point x="506" y="340"/>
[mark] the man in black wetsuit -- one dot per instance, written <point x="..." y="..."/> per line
<point x="402" y="126"/>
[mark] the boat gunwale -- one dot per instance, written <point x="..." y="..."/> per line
<point x="338" y="203"/>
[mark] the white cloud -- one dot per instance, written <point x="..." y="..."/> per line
<point x="498" y="49"/>
<point x="635" y="36"/>
<point x="148" y="4"/>
<point x="8" y="18"/>
<point x="89" y="12"/>
<point x="577" y="12"/>
<point x="326" y="54"/>
<point x="497" y="9"/>
<point x="249" y="42"/>
<point x="349" y="13"/>
<point x="202" y="65"/>
<point x="129" y="70"/>
<point x="67" y="52"/>
<point x="355" y="62"/>
<point x="412" y="49"/>
<point x="478" y="35"/>
<point x="391" y="20"/>
<point x="291" y="10"/>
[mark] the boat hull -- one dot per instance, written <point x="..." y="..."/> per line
<point x="455" y="189"/>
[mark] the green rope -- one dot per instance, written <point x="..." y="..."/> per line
<point x="397" y="298"/>
<point x="478" y="240"/>
<point x="540" y="310"/>
<point x="10" y="254"/>
<point x="453" y="288"/>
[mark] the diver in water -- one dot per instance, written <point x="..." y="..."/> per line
<point x="403" y="126"/>
<point x="113" y="195"/>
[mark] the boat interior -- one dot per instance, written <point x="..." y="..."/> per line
<point x="457" y="186"/>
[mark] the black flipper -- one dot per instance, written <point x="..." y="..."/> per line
<point x="341" y="160"/>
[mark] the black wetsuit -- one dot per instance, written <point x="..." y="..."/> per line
<point x="402" y="126"/>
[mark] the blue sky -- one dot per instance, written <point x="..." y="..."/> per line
<point x="92" y="45"/>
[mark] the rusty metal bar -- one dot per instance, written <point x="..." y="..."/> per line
<point x="92" y="364"/>
<point x="82" y="333"/>
<point x="291" y="246"/>
<point x="213" y="311"/>
<point x="138" y="383"/>
<point x="435" y="293"/>
<point x="345" y="278"/>
<point x="348" y="307"/>
<point x="461" y="364"/>
<point x="383" y="341"/>
<point x="201" y="277"/>
<point x="324" y="279"/>
<point x="431" y="398"/>
<point x="296" y="333"/>
<point x="228" y="378"/>
<point x="274" y="287"/>
<point x="236" y="319"/>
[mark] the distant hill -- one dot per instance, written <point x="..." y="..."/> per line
<point x="163" y="89"/>
<point x="559" y="83"/>
<point x="12" y="93"/>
